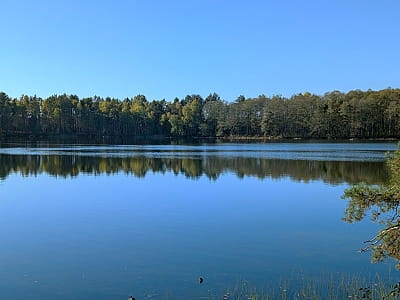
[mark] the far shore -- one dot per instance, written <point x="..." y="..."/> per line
<point x="161" y="138"/>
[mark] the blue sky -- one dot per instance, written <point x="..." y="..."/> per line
<point x="170" y="48"/>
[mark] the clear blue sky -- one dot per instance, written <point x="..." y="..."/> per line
<point x="169" y="48"/>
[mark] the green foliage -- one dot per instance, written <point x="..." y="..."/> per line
<point x="357" y="114"/>
<point x="381" y="203"/>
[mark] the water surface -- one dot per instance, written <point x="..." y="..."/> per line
<point x="102" y="221"/>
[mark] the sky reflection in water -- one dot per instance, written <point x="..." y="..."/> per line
<point x="68" y="233"/>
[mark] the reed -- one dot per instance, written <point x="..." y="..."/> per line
<point x="346" y="287"/>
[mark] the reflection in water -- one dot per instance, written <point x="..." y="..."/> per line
<point x="123" y="234"/>
<point x="333" y="172"/>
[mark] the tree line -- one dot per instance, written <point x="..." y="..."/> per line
<point x="356" y="114"/>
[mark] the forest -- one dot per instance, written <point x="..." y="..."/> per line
<point x="334" y="115"/>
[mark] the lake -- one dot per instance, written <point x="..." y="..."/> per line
<point x="110" y="221"/>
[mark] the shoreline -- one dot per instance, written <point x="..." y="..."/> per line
<point x="79" y="138"/>
<point x="66" y="137"/>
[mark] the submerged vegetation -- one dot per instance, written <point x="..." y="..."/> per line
<point x="356" y="114"/>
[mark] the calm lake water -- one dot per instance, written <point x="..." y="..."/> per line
<point x="109" y="221"/>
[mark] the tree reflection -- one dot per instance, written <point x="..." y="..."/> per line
<point x="333" y="172"/>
